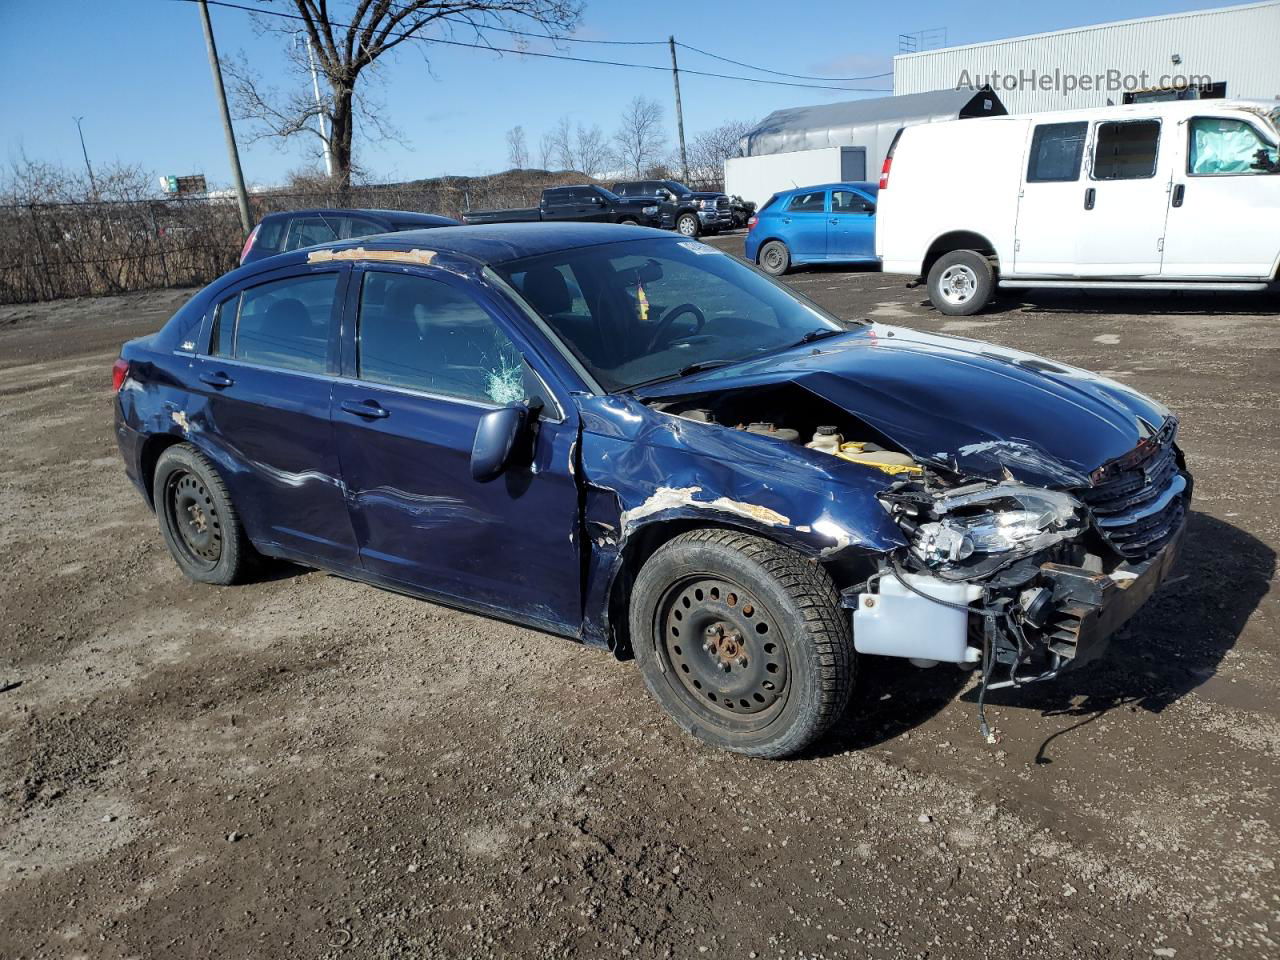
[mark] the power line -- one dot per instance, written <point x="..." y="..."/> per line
<point x="548" y="56"/>
<point x="779" y="73"/>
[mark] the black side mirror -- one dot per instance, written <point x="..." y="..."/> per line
<point x="1262" y="161"/>
<point x="870" y="208"/>
<point x="497" y="436"/>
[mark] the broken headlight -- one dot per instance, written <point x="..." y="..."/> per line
<point x="1004" y="518"/>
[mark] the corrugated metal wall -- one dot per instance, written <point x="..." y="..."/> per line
<point x="1238" y="45"/>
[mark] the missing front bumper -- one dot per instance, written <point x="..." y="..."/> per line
<point x="1088" y="607"/>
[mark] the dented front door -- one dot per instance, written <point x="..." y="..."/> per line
<point x="425" y="360"/>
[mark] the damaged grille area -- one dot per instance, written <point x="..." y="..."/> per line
<point x="1140" y="505"/>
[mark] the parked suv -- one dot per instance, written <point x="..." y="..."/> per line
<point x="278" y="232"/>
<point x="686" y="211"/>
<point x="1181" y="195"/>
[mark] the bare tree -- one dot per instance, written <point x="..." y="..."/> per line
<point x="562" y="144"/>
<point x="711" y="148"/>
<point x="592" y="150"/>
<point x="639" y="139"/>
<point x="347" y="38"/>
<point x="546" y="151"/>
<point x="517" y="150"/>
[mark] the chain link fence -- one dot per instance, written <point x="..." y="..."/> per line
<point x="49" y="251"/>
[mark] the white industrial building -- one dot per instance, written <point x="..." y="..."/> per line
<point x="1231" y="51"/>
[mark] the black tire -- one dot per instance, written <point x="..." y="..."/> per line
<point x="688" y="225"/>
<point x="961" y="283"/>
<point x="198" y="521"/>
<point x="774" y="258"/>
<point x="630" y="221"/>
<point x="778" y="677"/>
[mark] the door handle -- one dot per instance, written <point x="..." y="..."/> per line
<point x="1178" y="192"/>
<point x="833" y="220"/>
<point x="370" y="409"/>
<point x="1089" y="196"/>
<point x="786" y="219"/>
<point x="219" y="379"/>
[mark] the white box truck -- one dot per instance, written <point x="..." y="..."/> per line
<point x="1178" y="195"/>
<point x="758" y="178"/>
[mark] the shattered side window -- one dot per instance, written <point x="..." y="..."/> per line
<point x="426" y="335"/>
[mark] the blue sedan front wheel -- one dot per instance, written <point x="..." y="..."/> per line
<point x="774" y="258"/>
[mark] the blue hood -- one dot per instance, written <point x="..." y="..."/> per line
<point x="973" y="407"/>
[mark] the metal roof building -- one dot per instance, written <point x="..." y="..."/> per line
<point x="1230" y="51"/>
<point x="863" y="123"/>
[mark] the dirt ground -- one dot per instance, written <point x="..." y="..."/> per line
<point x="309" y="767"/>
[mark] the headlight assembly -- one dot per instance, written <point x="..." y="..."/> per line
<point x="648" y="211"/>
<point x="1005" y="518"/>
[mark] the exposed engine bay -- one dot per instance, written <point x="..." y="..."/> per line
<point x="998" y="574"/>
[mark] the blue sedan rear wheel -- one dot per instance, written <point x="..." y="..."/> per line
<point x="199" y="524"/>
<point x="775" y="258"/>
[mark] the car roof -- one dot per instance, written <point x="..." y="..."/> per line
<point x="480" y="243"/>
<point x="401" y="215"/>
<point x="856" y="184"/>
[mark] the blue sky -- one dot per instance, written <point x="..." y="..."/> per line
<point x="136" y="71"/>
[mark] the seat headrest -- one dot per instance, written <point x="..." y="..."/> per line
<point x="545" y="288"/>
<point x="289" y="316"/>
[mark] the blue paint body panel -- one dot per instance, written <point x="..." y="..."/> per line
<point x="391" y="499"/>
<point x="829" y="235"/>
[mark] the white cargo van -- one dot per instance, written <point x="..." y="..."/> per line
<point x="1164" y="196"/>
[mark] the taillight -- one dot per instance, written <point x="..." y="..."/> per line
<point x="248" y="244"/>
<point x="888" y="159"/>
<point x="119" y="373"/>
<point x="751" y="224"/>
<point x="884" y="172"/>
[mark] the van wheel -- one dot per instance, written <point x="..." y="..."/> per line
<point x="199" y="524"/>
<point x="742" y="641"/>
<point x="688" y="225"/>
<point x="774" y="258"/>
<point x="961" y="283"/>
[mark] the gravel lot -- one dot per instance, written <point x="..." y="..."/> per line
<point x="309" y="767"/>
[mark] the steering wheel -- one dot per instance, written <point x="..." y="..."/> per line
<point x="664" y="325"/>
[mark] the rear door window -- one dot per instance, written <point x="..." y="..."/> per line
<point x="364" y="227"/>
<point x="283" y="324"/>
<point x="1220" y="146"/>
<point x="1126" y="150"/>
<point x="308" y="231"/>
<point x="814" y="202"/>
<point x="1056" y="152"/>
<point x="427" y="335"/>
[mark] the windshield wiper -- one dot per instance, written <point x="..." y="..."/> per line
<point x="686" y="371"/>
<point x="820" y="334"/>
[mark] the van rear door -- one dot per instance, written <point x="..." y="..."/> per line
<point x="1225" y="201"/>
<point x="1049" y="203"/>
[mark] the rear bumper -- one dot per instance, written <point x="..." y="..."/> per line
<point x="1089" y="607"/>
<point x="130" y="442"/>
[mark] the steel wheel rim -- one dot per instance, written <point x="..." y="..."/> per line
<point x="772" y="258"/>
<point x="958" y="284"/>
<point x="194" y="519"/>
<point x="687" y="227"/>
<point x="722" y="651"/>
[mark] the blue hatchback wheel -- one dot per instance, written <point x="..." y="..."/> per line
<point x="774" y="258"/>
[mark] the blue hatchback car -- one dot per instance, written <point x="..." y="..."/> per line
<point x="634" y="440"/>
<point x="828" y="223"/>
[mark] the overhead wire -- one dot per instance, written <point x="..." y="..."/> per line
<point x="410" y="35"/>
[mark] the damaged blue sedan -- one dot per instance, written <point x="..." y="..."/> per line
<point x="633" y="440"/>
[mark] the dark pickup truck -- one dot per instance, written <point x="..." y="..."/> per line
<point x="587" y="203"/>
<point x="689" y="212"/>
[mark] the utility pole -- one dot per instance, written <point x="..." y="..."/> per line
<point x="233" y="154"/>
<point x="93" y="184"/>
<point x="675" y="76"/>
<point x="315" y="89"/>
